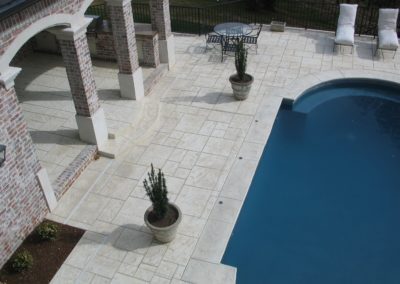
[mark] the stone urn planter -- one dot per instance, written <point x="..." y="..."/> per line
<point x="241" y="88"/>
<point x="168" y="232"/>
<point x="241" y="81"/>
<point x="162" y="217"/>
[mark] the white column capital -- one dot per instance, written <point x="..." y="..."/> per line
<point x="75" y="30"/>
<point x="117" y="3"/>
<point x="7" y="76"/>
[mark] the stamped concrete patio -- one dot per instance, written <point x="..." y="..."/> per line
<point x="45" y="96"/>
<point x="208" y="145"/>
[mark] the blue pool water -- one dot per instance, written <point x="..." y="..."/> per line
<point x="324" y="205"/>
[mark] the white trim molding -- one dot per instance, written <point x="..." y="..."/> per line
<point x="47" y="189"/>
<point x="8" y="75"/>
<point x="75" y="30"/>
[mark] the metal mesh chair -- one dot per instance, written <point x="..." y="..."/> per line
<point x="228" y="45"/>
<point x="253" y="39"/>
<point x="213" y="39"/>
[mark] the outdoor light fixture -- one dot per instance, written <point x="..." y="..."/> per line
<point x="2" y="154"/>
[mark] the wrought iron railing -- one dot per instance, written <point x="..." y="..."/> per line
<point x="141" y="13"/>
<point x="98" y="10"/>
<point x="320" y="15"/>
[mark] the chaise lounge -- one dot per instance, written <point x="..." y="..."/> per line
<point x="346" y="22"/>
<point x="387" y="31"/>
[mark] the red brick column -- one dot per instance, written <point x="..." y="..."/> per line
<point x="130" y="74"/>
<point x="75" y="51"/>
<point x="150" y="51"/>
<point x="22" y="198"/>
<point x="161" y="22"/>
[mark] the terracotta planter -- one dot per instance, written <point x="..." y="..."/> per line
<point x="164" y="234"/>
<point x="241" y="89"/>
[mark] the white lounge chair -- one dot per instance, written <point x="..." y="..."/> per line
<point x="345" y="28"/>
<point x="387" y="30"/>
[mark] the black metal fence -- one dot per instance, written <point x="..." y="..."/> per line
<point x="320" y="15"/>
<point x="98" y="10"/>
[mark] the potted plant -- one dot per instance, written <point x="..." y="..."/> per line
<point x="162" y="217"/>
<point x="241" y="81"/>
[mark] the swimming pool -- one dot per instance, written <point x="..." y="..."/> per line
<point x="324" y="204"/>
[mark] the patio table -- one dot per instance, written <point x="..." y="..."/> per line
<point x="232" y="29"/>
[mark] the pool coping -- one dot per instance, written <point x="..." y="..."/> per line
<point x="214" y="239"/>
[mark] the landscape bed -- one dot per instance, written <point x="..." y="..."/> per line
<point x="48" y="256"/>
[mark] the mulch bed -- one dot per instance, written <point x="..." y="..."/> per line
<point x="48" y="256"/>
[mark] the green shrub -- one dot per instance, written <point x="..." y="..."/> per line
<point x="240" y="59"/>
<point x="47" y="231"/>
<point x="21" y="261"/>
<point x="156" y="190"/>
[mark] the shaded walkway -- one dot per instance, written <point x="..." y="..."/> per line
<point x="44" y="93"/>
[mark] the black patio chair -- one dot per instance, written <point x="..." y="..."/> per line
<point x="213" y="39"/>
<point x="228" y="45"/>
<point x="253" y="39"/>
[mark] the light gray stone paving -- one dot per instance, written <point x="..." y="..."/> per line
<point x="199" y="271"/>
<point x="44" y="93"/>
<point x="208" y="145"/>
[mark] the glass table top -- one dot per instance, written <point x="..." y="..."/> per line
<point x="232" y="29"/>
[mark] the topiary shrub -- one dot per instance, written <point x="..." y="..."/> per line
<point x="156" y="190"/>
<point x="21" y="261"/>
<point x="47" y="231"/>
<point x="240" y="59"/>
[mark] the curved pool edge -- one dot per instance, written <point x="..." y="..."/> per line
<point x="310" y="82"/>
<point x="218" y="228"/>
<point x="303" y="84"/>
<point x="307" y="101"/>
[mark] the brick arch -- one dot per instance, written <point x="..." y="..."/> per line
<point x="32" y="30"/>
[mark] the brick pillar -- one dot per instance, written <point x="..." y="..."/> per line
<point x="25" y="191"/>
<point x="89" y="115"/>
<point x="161" y="22"/>
<point x="151" y="54"/>
<point x="130" y="74"/>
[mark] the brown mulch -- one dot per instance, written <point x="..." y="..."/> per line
<point x="48" y="256"/>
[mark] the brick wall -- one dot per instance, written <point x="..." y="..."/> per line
<point x="160" y="18"/>
<point x="22" y="204"/>
<point x="149" y="49"/>
<point x="12" y="26"/>
<point x="103" y="46"/>
<point x="124" y="37"/>
<point x="74" y="169"/>
<point x="78" y="64"/>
